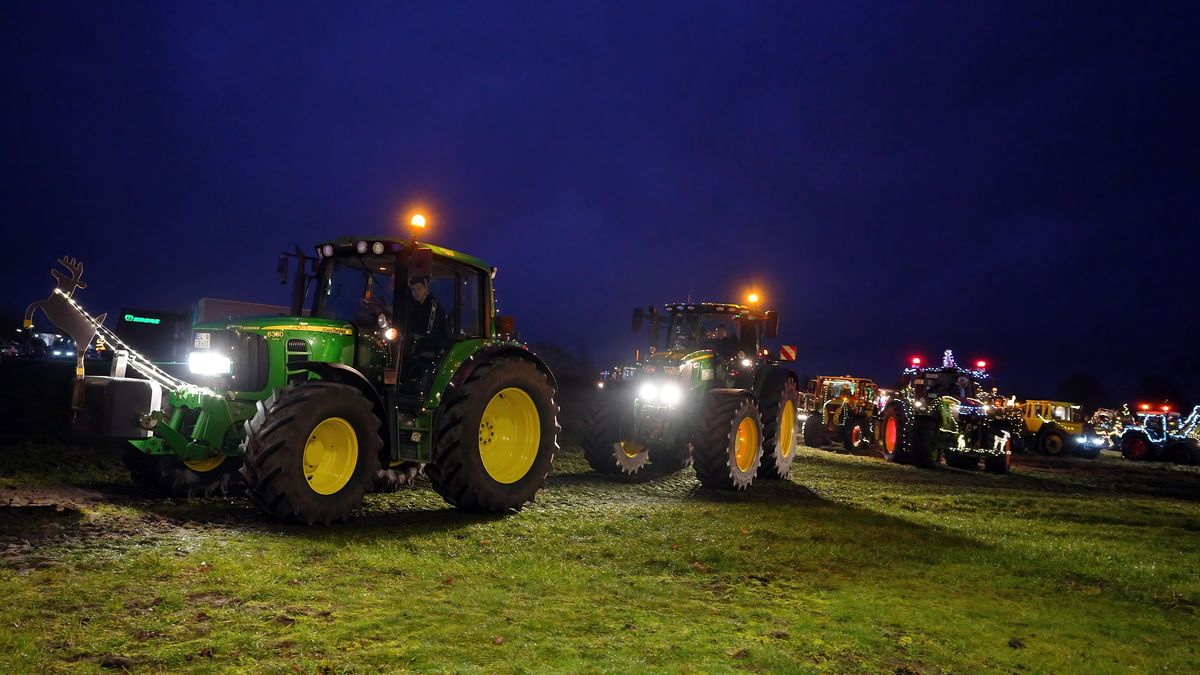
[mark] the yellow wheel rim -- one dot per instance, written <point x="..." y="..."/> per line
<point x="631" y="448"/>
<point x="204" y="465"/>
<point x="745" y="444"/>
<point x="787" y="430"/>
<point x="330" y="455"/>
<point x="510" y="434"/>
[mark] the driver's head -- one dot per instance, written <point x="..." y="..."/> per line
<point x="419" y="287"/>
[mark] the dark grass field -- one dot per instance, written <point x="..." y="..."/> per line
<point x="852" y="565"/>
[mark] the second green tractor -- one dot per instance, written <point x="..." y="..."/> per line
<point x="706" y="395"/>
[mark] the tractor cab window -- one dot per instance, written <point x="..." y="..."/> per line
<point x="704" y="331"/>
<point x="1174" y="422"/>
<point x="1061" y="413"/>
<point x="839" y="388"/>
<point x="357" y="289"/>
<point x="458" y="291"/>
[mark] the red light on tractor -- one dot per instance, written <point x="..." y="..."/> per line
<point x="981" y="364"/>
<point x="916" y="361"/>
<point x="1145" y="406"/>
<point x="1166" y="408"/>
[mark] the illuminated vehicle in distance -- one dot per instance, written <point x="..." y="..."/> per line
<point x="840" y="409"/>
<point x="706" y="395"/>
<point x="1051" y="427"/>
<point x="1107" y="424"/>
<point x="946" y="412"/>
<point x="1162" y="435"/>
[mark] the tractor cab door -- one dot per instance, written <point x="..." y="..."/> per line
<point x="442" y="309"/>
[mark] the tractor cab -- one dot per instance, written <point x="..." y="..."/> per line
<point x="407" y="303"/>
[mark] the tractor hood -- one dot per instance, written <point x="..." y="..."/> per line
<point x="678" y="357"/>
<point x="269" y="324"/>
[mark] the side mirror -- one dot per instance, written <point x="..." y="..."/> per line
<point x="282" y="269"/>
<point x="771" y="325"/>
<point x="638" y="315"/>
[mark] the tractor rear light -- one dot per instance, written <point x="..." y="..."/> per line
<point x="208" y="363"/>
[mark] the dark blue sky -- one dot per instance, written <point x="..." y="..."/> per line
<point x="1015" y="180"/>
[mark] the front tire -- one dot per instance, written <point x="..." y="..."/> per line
<point x="1051" y="443"/>
<point x="779" y="406"/>
<point x="857" y="435"/>
<point x="311" y="452"/>
<point x="603" y="446"/>
<point x="497" y="438"/>
<point x="727" y="448"/>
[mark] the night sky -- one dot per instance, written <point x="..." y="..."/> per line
<point x="1017" y="181"/>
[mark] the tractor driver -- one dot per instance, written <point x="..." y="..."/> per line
<point x="427" y="328"/>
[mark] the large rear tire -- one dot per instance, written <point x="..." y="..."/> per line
<point x="895" y="431"/>
<point x="173" y="477"/>
<point x="311" y="452"/>
<point x="1136" y="446"/>
<point x="814" y="430"/>
<point x="497" y="438"/>
<point x="727" y="448"/>
<point x="780" y="401"/>
<point x="603" y="447"/>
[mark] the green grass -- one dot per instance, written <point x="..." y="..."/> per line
<point x="852" y="565"/>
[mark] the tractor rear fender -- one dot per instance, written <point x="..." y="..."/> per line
<point x="772" y="376"/>
<point x="489" y="352"/>
<point x="343" y="374"/>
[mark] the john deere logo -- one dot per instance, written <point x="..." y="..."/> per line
<point x="142" y="319"/>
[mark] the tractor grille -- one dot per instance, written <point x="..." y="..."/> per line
<point x="251" y="362"/>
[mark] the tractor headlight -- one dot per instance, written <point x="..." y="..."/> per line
<point x="361" y="247"/>
<point x="648" y="392"/>
<point x="1097" y="441"/>
<point x="208" y="363"/>
<point x="670" y="394"/>
<point x="377" y="248"/>
<point x="1080" y="439"/>
<point x="919" y="404"/>
<point x="803" y="417"/>
<point x="327" y="250"/>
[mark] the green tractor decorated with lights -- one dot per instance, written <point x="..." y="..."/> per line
<point x="946" y="412"/>
<point x="391" y="355"/>
<point x="706" y="396"/>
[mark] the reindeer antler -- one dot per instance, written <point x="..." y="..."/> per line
<point x="74" y="265"/>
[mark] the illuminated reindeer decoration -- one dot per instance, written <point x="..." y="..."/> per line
<point x="62" y="312"/>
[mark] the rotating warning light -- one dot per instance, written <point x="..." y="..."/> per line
<point x="981" y="364"/>
<point x="916" y="361"/>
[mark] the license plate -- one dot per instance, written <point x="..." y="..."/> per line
<point x="202" y="340"/>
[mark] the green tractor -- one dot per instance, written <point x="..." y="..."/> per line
<point x="397" y="359"/>
<point x="708" y="397"/>
<point x="946" y="412"/>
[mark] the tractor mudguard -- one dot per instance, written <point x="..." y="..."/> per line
<point x="483" y="351"/>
